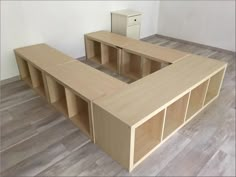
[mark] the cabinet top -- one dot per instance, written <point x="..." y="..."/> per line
<point x="127" y="12"/>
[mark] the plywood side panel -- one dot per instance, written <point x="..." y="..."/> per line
<point x="55" y="90"/>
<point x="89" y="48"/>
<point x="214" y="86"/>
<point x="71" y="103"/>
<point x="175" y="115"/>
<point x="197" y="99"/>
<point x="148" y="135"/>
<point x="112" y="135"/>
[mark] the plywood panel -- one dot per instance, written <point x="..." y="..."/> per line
<point x="175" y="115"/>
<point x="214" y="85"/>
<point x="131" y="65"/>
<point x="57" y="95"/>
<point x="111" y="57"/>
<point x="158" y="89"/>
<point x="113" y="136"/>
<point x="148" y="135"/>
<point x="197" y="97"/>
<point x="37" y="80"/>
<point x="78" y="111"/>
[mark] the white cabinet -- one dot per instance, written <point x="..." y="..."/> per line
<point x="126" y="22"/>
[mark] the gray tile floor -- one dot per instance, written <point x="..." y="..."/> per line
<point x="36" y="140"/>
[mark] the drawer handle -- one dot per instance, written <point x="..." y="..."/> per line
<point x="135" y="20"/>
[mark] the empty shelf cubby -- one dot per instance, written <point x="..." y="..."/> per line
<point x="78" y="110"/>
<point x="148" y="136"/>
<point x="150" y="66"/>
<point x="57" y="96"/>
<point x="24" y="70"/>
<point x="111" y="57"/>
<point x="196" y="100"/>
<point x="37" y="80"/>
<point x="131" y="65"/>
<point x="93" y="50"/>
<point x="175" y="115"/>
<point x="214" y="86"/>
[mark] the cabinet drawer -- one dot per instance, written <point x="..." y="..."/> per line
<point x="134" y="20"/>
<point x="133" y="31"/>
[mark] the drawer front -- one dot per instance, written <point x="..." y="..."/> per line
<point x="133" y="31"/>
<point x="134" y="20"/>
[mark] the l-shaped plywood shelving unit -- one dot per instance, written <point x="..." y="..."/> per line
<point x="128" y="121"/>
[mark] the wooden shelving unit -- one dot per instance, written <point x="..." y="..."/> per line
<point x="104" y="54"/>
<point x="127" y="121"/>
<point x="57" y="95"/>
<point x="78" y="110"/>
<point x="214" y="86"/>
<point x="148" y="135"/>
<point x="175" y="115"/>
<point x="170" y="98"/>
<point x="138" y="60"/>
<point x="76" y="94"/>
<point x="131" y="65"/>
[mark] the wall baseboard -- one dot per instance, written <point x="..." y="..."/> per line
<point x="197" y="44"/>
<point x="9" y="80"/>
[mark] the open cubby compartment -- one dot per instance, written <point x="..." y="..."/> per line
<point x="37" y="79"/>
<point x="148" y="136"/>
<point x="214" y="86"/>
<point x="150" y="66"/>
<point x="57" y="96"/>
<point x="196" y="100"/>
<point x="23" y="66"/>
<point x="175" y="115"/>
<point x="93" y="50"/>
<point x="131" y="65"/>
<point x="111" y="57"/>
<point x="78" y="111"/>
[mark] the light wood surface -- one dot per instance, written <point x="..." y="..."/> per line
<point x="82" y="85"/>
<point x="157" y="90"/>
<point x="84" y="80"/>
<point x="27" y="119"/>
<point x="98" y="47"/>
<point x="154" y="52"/>
<point x="109" y="38"/>
<point x="197" y="97"/>
<point x="43" y="55"/>
<point x="148" y="135"/>
<point x="214" y="86"/>
<point x="167" y="89"/>
<point x="175" y="115"/>
<point x="113" y="136"/>
<point x="138" y="47"/>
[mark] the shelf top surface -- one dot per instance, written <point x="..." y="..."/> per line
<point x="43" y="55"/>
<point x="151" y="51"/>
<point x="85" y="80"/>
<point x="127" y="12"/>
<point x="110" y="38"/>
<point x="154" y="92"/>
<point x="155" y="52"/>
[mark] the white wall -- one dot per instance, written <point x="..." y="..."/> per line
<point x="206" y="22"/>
<point x="61" y="24"/>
